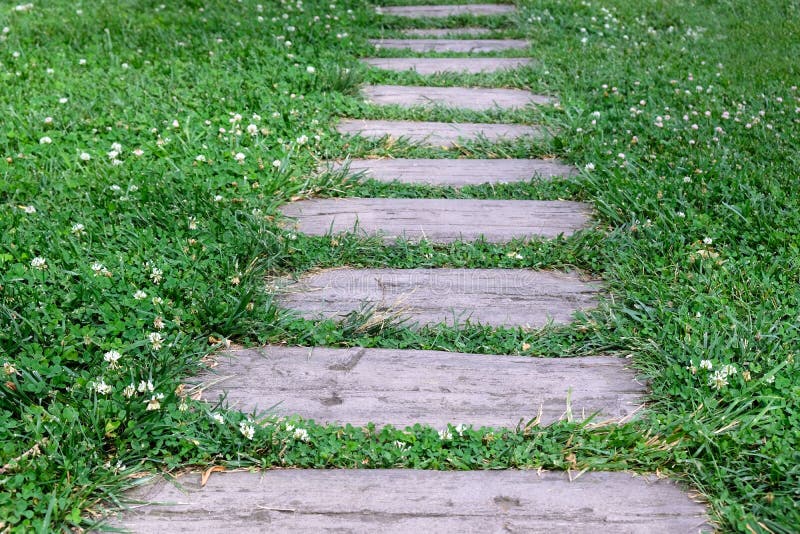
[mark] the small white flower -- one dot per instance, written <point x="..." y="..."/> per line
<point x="112" y="357"/>
<point x="129" y="391"/>
<point x="718" y="380"/>
<point x="252" y="129"/>
<point x="176" y="124"/>
<point x="445" y="434"/>
<point x="201" y="158"/>
<point x="302" y="140"/>
<point x="155" y="340"/>
<point x="301" y="434"/>
<point x="707" y="240"/>
<point x="63" y="100"/>
<point x="140" y="295"/>
<point x="247" y="430"/>
<point x="145" y="386"/>
<point x="276" y="163"/>
<point x="102" y="388"/>
<point x="192" y="223"/>
<point x="153" y="403"/>
<point x="45" y="140"/>
<point x="218" y="198"/>
<point x="239" y="157"/>
<point x="78" y="229"/>
<point x="157" y="300"/>
<point x="310" y="69"/>
<point x="112" y="154"/>
<point x="706" y="364"/>
<point x="138" y="152"/>
<point x="158" y="323"/>
<point x="39" y="263"/>
<point x="28" y="209"/>
<point x="85" y="156"/>
<point x="156" y="275"/>
<point x="589" y="166"/>
<point x="687" y="179"/>
<point x="218" y="417"/>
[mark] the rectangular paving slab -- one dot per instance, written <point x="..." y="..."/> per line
<point x="445" y="32"/>
<point x="475" y="98"/>
<point x="494" y="297"/>
<point x="435" y="11"/>
<point x="403" y="387"/>
<point x="456" y="172"/>
<point x="402" y="501"/>
<point x="439" y="220"/>
<point x="452" y="45"/>
<point x="437" y="133"/>
<point x="433" y="65"/>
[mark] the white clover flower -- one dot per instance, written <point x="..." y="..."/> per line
<point x="140" y="295"/>
<point x="129" y="391"/>
<point x="706" y="364"/>
<point x="28" y="209"/>
<point x="218" y="417"/>
<point x="589" y="166"/>
<point x="85" y="156"/>
<point x="729" y="370"/>
<point x="112" y="357"/>
<point x="153" y="403"/>
<point x="201" y="158"/>
<point x="301" y="434"/>
<point x="78" y="229"/>
<point x="45" y="140"/>
<point x="145" y="386"/>
<point x="112" y="154"/>
<point x="39" y="263"/>
<point x="247" y="430"/>
<point x="707" y="240"/>
<point x="116" y="147"/>
<point x="158" y="323"/>
<point x="192" y="223"/>
<point x="252" y="129"/>
<point x="155" y="340"/>
<point x="156" y="275"/>
<point x="303" y="139"/>
<point x="718" y="380"/>
<point x="445" y="434"/>
<point x="23" y="7"/>
<point x="276" y="163"/>
<point x="176" y="124"/>
<point x="239" y="157"/>
<point x="102" y="388"/>
<point x="218" y="198"/>
<point x="63" y="100"/>
<point x="138" y="152"/>
<point x="310" y="69"/>
<point x="157" y="300"/>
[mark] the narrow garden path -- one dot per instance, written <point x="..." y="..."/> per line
<point x="407" y="387"/>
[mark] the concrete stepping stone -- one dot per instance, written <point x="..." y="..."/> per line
<point x="493" y="297"/>
<point x="401" y="501"/>
<point x="439" y="220"/>
<point x="456" y="172"/>
<point x="437" y="133"/>
<point x="403" y="387"/>
<point x="461" y="65"/>
<point x="475" y="98"/>
<point x="419" y="12"/>
<point x="445" y="32"/>
<point x="452" y="45"/>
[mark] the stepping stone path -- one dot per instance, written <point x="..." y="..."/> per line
<point x="455" y="172"/>
<point x="435" y="65"/>
<point x="439" y="220"/>
<point x="403" y="387"/>
<point x="446" y="32"/>
<point x="444" y="134"/>
<point x="477" y="99"/>
<point x="496" y="297"/>
<point x="401" y="501"/>
<point x="447" y="45"/>
<point x="407" y="387"/>
<point x="446" y="11"/>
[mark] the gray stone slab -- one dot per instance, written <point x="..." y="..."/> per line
<point x="495" y="297"/>
<point x="456" y="172"/>
<point x="475" y="98"/>
<point x="452" y="45"/>
<point x="435" y="11"/>
<point x="445" y="32"/>
<point x="403" y="387"/>
<point x="437" y="133"/>
<point x="439" y="220"/>
<point x="402" y="501"/>
<point x="433" y="65"/>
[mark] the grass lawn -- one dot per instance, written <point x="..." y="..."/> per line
<point x="145" y="147"/>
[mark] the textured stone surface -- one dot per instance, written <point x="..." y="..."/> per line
<point x="452" y="45"/>
<point x="496" y="297"/>
<point x="445" y="32"/>
<point x="432" y="65"/>
<point x="437" y="133"/>
<point x="402" y="501"/>
<point x="445" y="11"/>
<point x="456" y="172"/>
<point x="404" y="387"/>
<point x="476" y="98"/>
<point x="439" y="220"/>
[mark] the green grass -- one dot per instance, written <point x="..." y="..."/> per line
<point x="698" y="238"/>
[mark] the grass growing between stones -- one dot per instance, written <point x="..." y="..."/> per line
<point x="145" y="149"/>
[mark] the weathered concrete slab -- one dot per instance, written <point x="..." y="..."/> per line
<point x="433" y="65"/>
<point x="403" y="387"/>
<point x="456" y="172"/>
<point x="439" y="220"/>
<point x="419" y="12"/>
<point x="445" y="32"/>
<point x="494" y="297"/>
<point x="452" y="45"/>
<point x="437" y="133"/>
<point x="402" y="501"/>
<point x="475" y="98"/>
